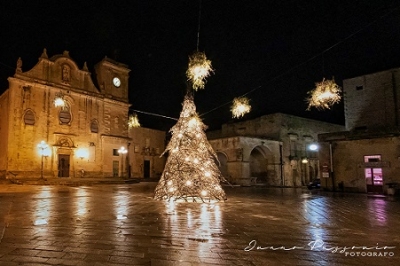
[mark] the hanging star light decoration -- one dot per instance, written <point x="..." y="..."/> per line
<point x="191" y="173"/>
<point x="199" y="69"/>
<point x="133" y="121"/>
<point x="325" y="94"/>
<point x="240" y="107"/>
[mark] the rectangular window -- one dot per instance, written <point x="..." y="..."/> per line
<point x="372" y="158"/>
<point x="358" y="88"/>
<point x="115" y="152"/>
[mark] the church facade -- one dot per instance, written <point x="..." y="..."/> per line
<point x="84" y="137"/>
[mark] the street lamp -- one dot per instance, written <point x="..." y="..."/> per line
<point x="313" y="147"/>
<point x="122" y="151"/>
<point x="42" y="146"/>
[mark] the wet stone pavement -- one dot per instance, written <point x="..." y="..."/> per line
<point x="121" y="224"/>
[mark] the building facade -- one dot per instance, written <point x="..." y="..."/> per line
<point x="144" y="151"/>
<point x="86" y="137"/>
<point x="366" y="156"/>
<point x="273" y="149"/>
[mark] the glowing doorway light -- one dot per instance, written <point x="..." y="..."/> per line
<point x="199" y="69"/>
<point x="133" y="121"/>
<point x="325" y="94"/>
<point x="240" y="107"/>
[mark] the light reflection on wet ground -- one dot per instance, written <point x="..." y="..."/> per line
<point x="123" y="225"/>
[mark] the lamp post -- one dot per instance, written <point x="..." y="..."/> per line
<point x="122" y="151"/>
<point x="314" y="147"/>
<point x="42" y="146"/>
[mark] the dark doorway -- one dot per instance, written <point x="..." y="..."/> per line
<point x="146" y="169"/>
<point x="115" y="168"/>
<point x="63" y="165"/>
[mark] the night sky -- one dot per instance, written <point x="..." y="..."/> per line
<point x="276" y="50"/>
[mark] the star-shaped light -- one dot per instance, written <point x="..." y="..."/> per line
<point x="240" y="107"/>
<point x="199" y="69"/>
<point x="325" y="94"/>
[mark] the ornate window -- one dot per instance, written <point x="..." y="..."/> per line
<point x="65" y="115"/>
<point x="29" y="117"/>
<point x="94" y="126"/>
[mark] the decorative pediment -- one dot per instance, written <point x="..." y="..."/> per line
<point x="58" y="71"/>
<point x="65" y="142"/>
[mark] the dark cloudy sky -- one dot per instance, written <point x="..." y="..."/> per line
<point x="276" y="49"/>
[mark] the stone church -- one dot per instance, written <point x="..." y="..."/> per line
<point x="86" y="136"/>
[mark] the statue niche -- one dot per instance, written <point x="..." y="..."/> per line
<point x="66" y="73"/>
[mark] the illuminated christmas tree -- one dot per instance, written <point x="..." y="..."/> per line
<point x="191" y="172"/>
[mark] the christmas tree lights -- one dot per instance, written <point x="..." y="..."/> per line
<point x="190" y="173"/>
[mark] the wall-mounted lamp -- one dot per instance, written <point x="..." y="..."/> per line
<point x="313" y="147"/>
<point x="82" y="153"/>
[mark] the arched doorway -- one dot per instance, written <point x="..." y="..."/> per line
<point x="263" y="166"/>
<point x="63" y="165"/>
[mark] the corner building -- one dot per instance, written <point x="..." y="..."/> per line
<point x="366" y="156"/>
<point x="82" y="138"/>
